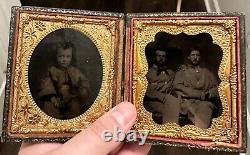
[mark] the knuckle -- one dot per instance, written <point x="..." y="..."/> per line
<point x="97" y="129"/>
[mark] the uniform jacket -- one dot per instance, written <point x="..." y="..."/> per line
<point x="159" y="82"/>
<point x="191" y="82"/>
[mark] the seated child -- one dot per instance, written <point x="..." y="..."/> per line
<point x="64" y="90"/>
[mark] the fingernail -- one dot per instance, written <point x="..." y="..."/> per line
<point x="123" y="113"/>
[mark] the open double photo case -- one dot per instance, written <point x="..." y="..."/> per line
<point x="184" y="72"/>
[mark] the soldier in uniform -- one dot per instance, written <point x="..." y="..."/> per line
<point x="158" y="98"/>
<point x="198" y="89"/>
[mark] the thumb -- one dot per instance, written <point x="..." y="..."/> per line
<point x="91" y="140"/>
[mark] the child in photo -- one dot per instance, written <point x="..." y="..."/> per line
<point x="65" y="89"/>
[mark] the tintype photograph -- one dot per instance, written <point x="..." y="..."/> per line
<point x="183" y="79"/>
<point x="65" y="74"/>
<point x="188" y="79"/>
<point x="184" y="72"/>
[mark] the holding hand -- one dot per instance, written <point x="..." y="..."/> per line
<point x="205" y="96"/>
<point x="90" y="141"/>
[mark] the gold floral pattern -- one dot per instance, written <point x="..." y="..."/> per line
<point x="223" y="31"/>
<point x="40" y="26"/>
<point x="34" y="119"/>
<point x="25" y="109"/>
<point x="26" y="118"/>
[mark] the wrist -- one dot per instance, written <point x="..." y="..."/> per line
<point x="202" y="96"/>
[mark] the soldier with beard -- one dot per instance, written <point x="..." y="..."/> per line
<point x="158" y="98"/>
<point x="197" y="87"/>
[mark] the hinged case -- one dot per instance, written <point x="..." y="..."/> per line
<point x="113" y="59"/>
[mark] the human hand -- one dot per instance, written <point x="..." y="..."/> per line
<point x="213" y="94"/>
<point x="205" y="96"/>
<point x="56" y="101"/>
<point x="90" y="141"/>
<point x="181" y="94"/>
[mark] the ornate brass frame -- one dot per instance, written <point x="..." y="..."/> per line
<point x="24" y="119"/>
<point x="227" y="132"/>
<point x="124" y="73"/>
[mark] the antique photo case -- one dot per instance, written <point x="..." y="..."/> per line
<point x="184" y="72"/>
<point x="64" y="72"/>
<point x="187" y="78"/>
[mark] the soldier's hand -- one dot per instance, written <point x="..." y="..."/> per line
<point x="212" y="94"/>
<point x="181" y="94"/>
<point x="184" y="96"/>
<point x="203" y="96"/>
<point x="207" y="96"/>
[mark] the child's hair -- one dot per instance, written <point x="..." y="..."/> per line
<point x="66" y="45"/>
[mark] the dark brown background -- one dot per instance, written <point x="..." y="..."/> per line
<point x="86" y="58"/>
<point x="125" y="6"/>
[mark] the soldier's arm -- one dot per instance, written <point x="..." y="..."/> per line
<point x="189" y="92"/>
<point x="154" y="94"/>
<point x="183" y="91"/>
<point x="213" y="91"/>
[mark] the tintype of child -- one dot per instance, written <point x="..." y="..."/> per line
<point x="65" y="88"/>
